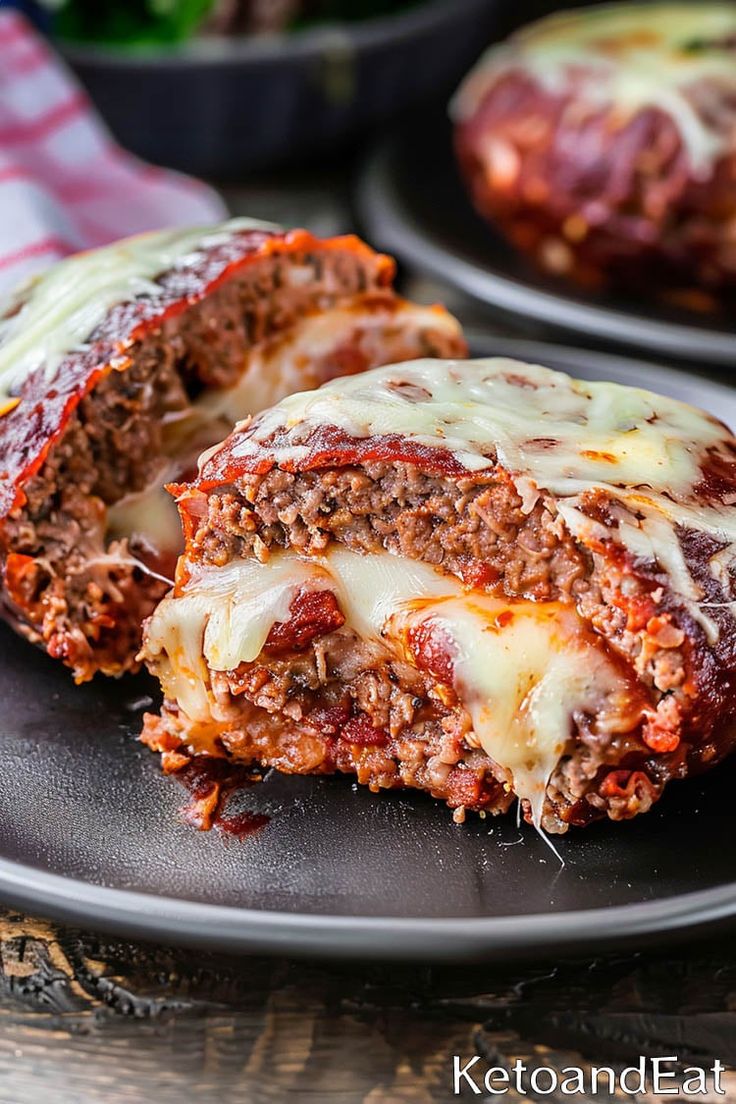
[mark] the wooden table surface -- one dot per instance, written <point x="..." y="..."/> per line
<point x="87" y="1019"/>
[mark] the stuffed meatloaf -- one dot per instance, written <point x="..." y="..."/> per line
<point x="481" y="579"/>
<point x="602" y="142"/>
<point x="117" y="367"/>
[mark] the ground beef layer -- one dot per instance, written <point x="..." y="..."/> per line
<point x="340" y="705"/>
<point x="98" y="431"/>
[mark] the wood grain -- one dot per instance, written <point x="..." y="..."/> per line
<point x="85" y="1019"/>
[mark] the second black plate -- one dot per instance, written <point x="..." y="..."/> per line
<point x="412" y="202"/>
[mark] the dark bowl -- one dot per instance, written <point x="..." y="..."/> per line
<point x="220" y="107"/>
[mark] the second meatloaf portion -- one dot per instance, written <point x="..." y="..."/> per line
<point x="117" y="367"/>
<point x="602" y="144"/>
<point x="483" y="580"/>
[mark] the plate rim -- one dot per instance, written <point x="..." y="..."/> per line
<point x="389" y="223"/>
<point x="229" y="928"/>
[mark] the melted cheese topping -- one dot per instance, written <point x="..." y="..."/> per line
<point x="63" y="306"/>
<point x="522" y="670"/>
<point x="633" y="56"/>
<point x="550" y="432"/>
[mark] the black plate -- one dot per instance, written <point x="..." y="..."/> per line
<point x="90" y="831"/>
<point x="412" y="202"/>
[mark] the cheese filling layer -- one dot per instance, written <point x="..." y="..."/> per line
<point x="524" y="671"/>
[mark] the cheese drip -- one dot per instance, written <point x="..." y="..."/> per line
<point x="522" y="670"/>
<point x="632" y="56"/>
<point x="62" y="307"/>
<point x="549" y="431"/>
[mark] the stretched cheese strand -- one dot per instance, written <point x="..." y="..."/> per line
<point x="522" y="670"/>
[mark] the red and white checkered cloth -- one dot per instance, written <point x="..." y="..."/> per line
<point x="64" y="183"/>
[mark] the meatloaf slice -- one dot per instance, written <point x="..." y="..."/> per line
<point x="601" y="143"/>
<point x="117" y="367"/>
<point x="481" y="579"/>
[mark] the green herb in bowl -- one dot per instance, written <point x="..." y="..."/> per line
<point x="155" y="22"/>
